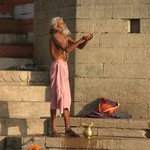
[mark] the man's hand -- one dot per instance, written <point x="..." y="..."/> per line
<point x="89" y="36"/>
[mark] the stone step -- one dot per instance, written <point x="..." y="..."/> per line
<point x="14" y="39"/>
<point x="25" y="93"/>
<point x="81" y="143"/>
<point x="24" y="78"/>
<point x="24" y="109"/>
<point x="110" y="127"/>
<point x="34" y="126"/>
<point x="6" y="63"/>
<point x="30" y="126"/>
<point x="16" y="51"/>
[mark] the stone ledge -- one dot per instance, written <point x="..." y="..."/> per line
<point x="24" y="77"/>
<point x="109" y="143"/>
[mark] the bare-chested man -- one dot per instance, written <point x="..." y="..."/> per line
<point x="61" y="44"/>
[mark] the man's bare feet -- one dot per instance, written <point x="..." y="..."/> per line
<point x="55" y="134"/>
<point x="71" y="133"/>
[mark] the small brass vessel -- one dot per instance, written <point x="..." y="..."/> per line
<point x="87" y="132"/>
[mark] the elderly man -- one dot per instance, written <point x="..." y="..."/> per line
<point x="61" y="44"/>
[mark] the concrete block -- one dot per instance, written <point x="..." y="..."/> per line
<point x="144" y="24"/>
<point x="89" y="70"/>
<point x="116" y="2"/>
<point x="99" y="12"/>
<point x="129" y="71"/>
<point x="111" y="25"/>
<point x="130" y="11"/>
<point x="137" y="55"/>
<point x="131" y="108"/>
<point x="124" y="40"/>
<point x="100" y="55"/>
<point x="104" y="85"/>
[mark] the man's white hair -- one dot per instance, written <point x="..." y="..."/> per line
<point x="54" y="28"/>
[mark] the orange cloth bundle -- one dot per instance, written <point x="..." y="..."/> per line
<point x="34" y="147"/>
<point x="107" y="106"/>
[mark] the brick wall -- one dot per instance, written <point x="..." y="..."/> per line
<point x="115" y="63"/>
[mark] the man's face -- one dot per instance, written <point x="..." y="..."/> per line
<point x="60" y="24"/>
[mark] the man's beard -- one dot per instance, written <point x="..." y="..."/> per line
<point x="66" y="31"/>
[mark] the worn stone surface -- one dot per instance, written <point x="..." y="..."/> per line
<point x="25" y="93"/>
<point x="24" y="109"/>
<point x="24" y="77"/>
<point x="79" y="143"/>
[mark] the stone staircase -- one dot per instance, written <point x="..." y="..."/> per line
<point x="108" y="134"/>
<point x="24" y="103"/>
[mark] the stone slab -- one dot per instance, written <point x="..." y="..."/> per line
<point x="25" y="93"/>
<point x="80" y="143"/>
<point x="24" y="78"/>
<point x="24" y="109"/>
<point x="27" y="126"/>
<point x="117" y="40"/>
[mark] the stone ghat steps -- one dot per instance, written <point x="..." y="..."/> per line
<point x="11" y="78"/>
<point x="24" y="109"/>
<point x="81" y="143"/>
<point x="24" y="93"/>
<point x="131" y="128"/>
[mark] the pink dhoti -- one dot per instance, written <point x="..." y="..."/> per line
<point x="60" y="88"/>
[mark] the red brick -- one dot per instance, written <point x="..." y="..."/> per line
<point x="16" y="51"/>
<point x="26" y="25"/>
<point x="16" y="26"/>
<point x="10" y="26"/>
<point x="4" y="9"/>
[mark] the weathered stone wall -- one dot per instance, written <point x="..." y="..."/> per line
<point x="115" y="63"/>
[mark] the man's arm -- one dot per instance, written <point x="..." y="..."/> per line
<point x="84" y="42"/>
<point x="60" y="43"/>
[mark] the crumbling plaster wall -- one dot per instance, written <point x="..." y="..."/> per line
<point x="115" y="63"/>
